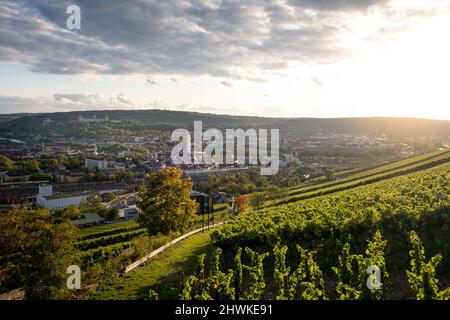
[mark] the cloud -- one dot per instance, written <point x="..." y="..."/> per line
<point x="77" y="98"/>
<point x="123" y="99"/>
<point x="151" y="81"/>
<point x="337" y="5"/>
<point x="10" y="104"/>
<point x="69" y="102"/>
<point x="227" y="84"/>
<point x="316" y="81"/>
<point x="235" y="39"/>
<point x="242" y="40"/>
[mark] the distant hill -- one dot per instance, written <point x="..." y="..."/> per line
<point x="22" y="124"/>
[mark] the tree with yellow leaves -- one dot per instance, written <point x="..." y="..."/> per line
<point x="165" y="202"/>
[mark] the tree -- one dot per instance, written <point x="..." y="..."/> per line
<point x="112" y="214"/>
<point x="98" y="207"/>
<point x="110" y="196"/>
<point x="6" y="164"/>
<point x="30" y="165"/>
<point x="36" y="249"/>
<point x="41" y="177"/>
<point x="72" y="212"/>
<point x="329" y="174"/>
<point x="165" y="202"/>
<point x="241" y="202"/>
<point x="257" y="199"/>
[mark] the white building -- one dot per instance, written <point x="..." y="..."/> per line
<point x="46" y="199"/>
<point x="93" y="119"/>
<point x="92" y="162"/>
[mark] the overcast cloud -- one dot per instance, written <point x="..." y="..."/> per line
<point x="68" y="102"/>
<point x="236" y="39"/>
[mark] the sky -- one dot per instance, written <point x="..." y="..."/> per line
<point x="283" y="58"/>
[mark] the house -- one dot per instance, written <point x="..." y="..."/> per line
<point x="89" y="219"/>
<point x="131" y="213"/>
<point x="45" y="198"/>
<point x="74" y="177"/>
<point x="18" y="176"/>
<point x="94" y="119"/>
<point x="95" y="162"/>
<point x="220" y="197"/>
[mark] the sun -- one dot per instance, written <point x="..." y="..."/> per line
<point x="397" y="68"/>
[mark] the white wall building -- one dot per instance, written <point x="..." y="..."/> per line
<point x="94" y="119"/>
<point x="92" y="162"/>
<point x="46" y="199"/>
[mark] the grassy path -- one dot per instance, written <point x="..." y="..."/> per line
<point x="162" y="274"/>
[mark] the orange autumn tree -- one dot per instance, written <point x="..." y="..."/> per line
<point x="241" y="202"/>
<point x="165" y="202"/>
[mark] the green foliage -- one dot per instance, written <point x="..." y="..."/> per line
<point x="153" y="295"/>
<point x="422" y="274"/>
<point x="394" y="207"/>
<point x="257" y="199"/>
<point x="256" y="275"/>
<point x="352" y="271"/>
<point x="72" y="212"/>
<point x="165" y="202"/>
<point x="6" y="164"/>
<point x="41" y="177"/>
<point x="329" y="175"/>
<point x="112" y="214"/>
<point x="281" y="271"/>
<point x="374" y="256"/>
<point x="307" y="281"/>
<point x="36" y="249"/>
<point x="107" y="229"/>
<point x="102" y="253"/>
<point x="346" y="271"/>
<point x="109" y="239"/>
<point x="238" y="274"/>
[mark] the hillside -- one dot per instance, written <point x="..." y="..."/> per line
<point x="21" y="125"/>
<point x="415" y="201"/>
<point x="365" y="176"/>
<point x="412" y="194"/>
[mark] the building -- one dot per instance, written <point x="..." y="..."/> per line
<point x="73" y="177"/>
<point x="95" y="162"/>
<point x="131" y="213"/>
<point x="94" y="119"/>
<point x="205" y="203"/>
<point x="45" y="198"/>
<point x="89" y="219"/>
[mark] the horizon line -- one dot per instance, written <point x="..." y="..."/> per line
<point x="227" y="114"/>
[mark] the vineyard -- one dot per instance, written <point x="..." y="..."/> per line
<point x="101" y="243"/>
<point x="418" y="201"/>
<point x="354" y="278"/>
<point x="316" y="243"/>
<point x="369" y="176"/>
<point x="348" y="175"/>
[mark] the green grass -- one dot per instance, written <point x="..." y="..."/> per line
<point x="162" y="274"/>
